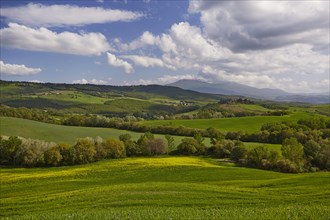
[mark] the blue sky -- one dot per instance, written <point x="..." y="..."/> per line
<point x="265" y="44"/>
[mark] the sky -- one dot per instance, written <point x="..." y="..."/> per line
<point x="264" y="44"/>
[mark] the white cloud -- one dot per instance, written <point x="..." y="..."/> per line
<point x="36" y="81"/>
<point x="92" y="81"/>
<point x="255" y="25"/>
<point x="146" y="39"/>
<point x="115" y="61"/>
<point x="17" y="70"/>
<point x="100" y="1"/>
<point x="42" y="39"/>
<point x="170" y="79"/>
<point x="298" y="62"/>
<point x="59" y="15"/>
<point x="167" y="79"/>
<point x="146" y="61"/>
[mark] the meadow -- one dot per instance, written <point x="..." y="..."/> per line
<point x="249" y="124"/>
<point x="68" y="134"/>
<point x="162" y="188"/>
<point x="60" y="133"/>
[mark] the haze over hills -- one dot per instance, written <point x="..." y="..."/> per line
<point x="232" y="88"/>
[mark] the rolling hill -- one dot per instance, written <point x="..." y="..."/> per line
<point x="162" y="188"/>
<point x="232" y="88"/>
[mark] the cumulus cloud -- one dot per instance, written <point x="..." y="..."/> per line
<point x="146" y="39"/>
<point x="265" y="44"/>
<point x="36" y="81"/>
<point x="42" y="39"/>
<point x="173" y="78"/>
<point x="146" y="61"/>
<point x="17" y="70"/>
<point x="117" y="62"/>
<point x="167" y="79"/>
<point x="92" y="81"/>
<point x="256" y="25"/>
<point x="59" y="15"/>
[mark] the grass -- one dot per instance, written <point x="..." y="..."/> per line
<point x="59" y="133"/>
<point x="162" y="188"/>
<point x="71" y="96"/>
<point x="249" y="124"/>
<point x="252" y="107"/>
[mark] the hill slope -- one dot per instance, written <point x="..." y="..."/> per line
<point x="162" y="188"/>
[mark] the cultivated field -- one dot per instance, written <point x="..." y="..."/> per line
<point x="69" y="134"/>
<point x="249" y="124"/>
<point x="59" y="133"/>
<point x="162" y="188"/>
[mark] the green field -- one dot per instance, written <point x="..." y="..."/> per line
<point x="162" y="188"/>
<point x="249" y="124"/>
<point x="59" y="133"/>
<point x="69" y="134"/>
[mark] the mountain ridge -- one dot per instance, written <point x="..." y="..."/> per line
<point x="232" y="88"/>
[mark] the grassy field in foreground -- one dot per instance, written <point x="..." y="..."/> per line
<point x="249" y="124"/>
<point x="162" y="188"/>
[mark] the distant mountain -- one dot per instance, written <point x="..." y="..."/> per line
<point x="229" y="88"/>
<point x="232" y="88"/>
<point x="316" y="99"/>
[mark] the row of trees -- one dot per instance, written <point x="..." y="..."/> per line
<point x="26" y="113"/>
<point x="19" y="151"/>
<point x="294" y="156"/>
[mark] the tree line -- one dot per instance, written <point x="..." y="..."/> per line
<point x="294" y="157"/>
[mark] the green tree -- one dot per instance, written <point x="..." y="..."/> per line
<point x="170" y="142"/>
<point x="238" y="152"/>
<point x="114" y="148"/>
<point x="84" y="151"/>
<point x="8" y="149"/>
<point x="292" y="150"/>
<point x="66" y="152"/>
<point x="201" y="148"/>
<point x="258" y="156"/>
<point x="188" y="146"/>
<point x="53" y="156"/>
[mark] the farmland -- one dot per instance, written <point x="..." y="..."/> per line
<point x="58" y="133"/>
<point x="249" y="124"/>
<point x="69" y="134"/>
<point x="162" y="188"/>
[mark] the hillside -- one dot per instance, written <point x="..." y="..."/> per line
<point x="232" y="88"/>
<point x="162" y="188"/>
<point x="103" y="99"/>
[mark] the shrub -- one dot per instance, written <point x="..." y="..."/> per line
<point x="53" y="156"/>
<point x="114" y="148"/>
<point x="8" y="149"/>
<point x="83" y="151"/>
<point x="188" y="146"/>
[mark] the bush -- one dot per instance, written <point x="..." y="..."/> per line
<point x="31" y="152"/>
<point x="114" y="148"/>
<point x="53" y="156"/>
<point x="238" y="153"/>
<point x="287" y="166"/>
<point x="188" y="146"/>
<point x="8" y="149"/>
<point x="83" y="151"/>
<point x="155" y="146"/>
